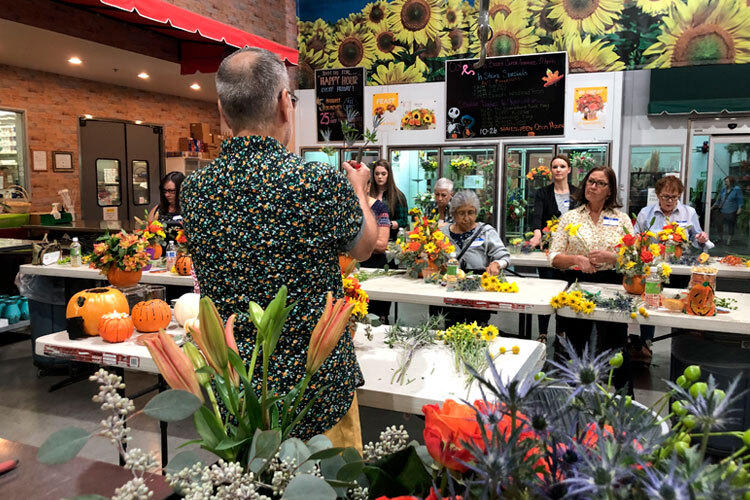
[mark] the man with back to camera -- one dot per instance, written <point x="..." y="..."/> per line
<point x="259" y="217"/>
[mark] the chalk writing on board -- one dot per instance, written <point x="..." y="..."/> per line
<point x="336" y="92"/>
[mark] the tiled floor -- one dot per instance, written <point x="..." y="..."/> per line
<point x="29" y="413"/>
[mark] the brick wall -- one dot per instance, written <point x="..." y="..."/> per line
<point x="53" y="104"/>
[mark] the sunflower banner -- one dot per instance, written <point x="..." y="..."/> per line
<point x="408" y="41"/>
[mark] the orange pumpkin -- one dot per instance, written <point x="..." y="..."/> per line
<point x="88" y="306"/>
<point x="151" y="315"/>
<point x="183" y="265"/>
<point x="116" y="327"/>
<point x="123" y="279"/>
<point x="157" y="251"/>
<point x="700" y="300"/>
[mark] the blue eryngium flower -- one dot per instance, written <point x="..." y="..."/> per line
<point x="583" y="372"/>
<point x="713" y="408"/>
<point x="665" y="485"/>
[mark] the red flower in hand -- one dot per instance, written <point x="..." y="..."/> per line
<point x="628" y="239"/>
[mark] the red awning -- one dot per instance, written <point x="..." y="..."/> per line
<point x="202" y="40"/>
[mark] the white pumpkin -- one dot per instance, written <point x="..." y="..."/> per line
<point x="192" y="323"/>
<point x="186" y="307"/>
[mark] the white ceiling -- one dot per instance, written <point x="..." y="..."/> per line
<point x="34" y="48"/>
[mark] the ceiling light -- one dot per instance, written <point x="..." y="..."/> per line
<point x="75" y="60"/>
<point x="195" y="86"/>
<point x="88" y="117"/>
<point x="138" y="122"/>
<point x="143" y="75"/>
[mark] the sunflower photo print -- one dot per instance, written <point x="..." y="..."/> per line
<point x="408" y="41"/>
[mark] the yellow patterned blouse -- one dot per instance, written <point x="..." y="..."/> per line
<point x="578" y="235"/>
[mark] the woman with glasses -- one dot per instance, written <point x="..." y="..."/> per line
<point x="653" y="218"/>
<point x="551" y="201"/>
<point x="583" y="247"/>
<point x="168" y="210"/>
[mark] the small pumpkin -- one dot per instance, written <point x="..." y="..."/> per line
<point x="700" y="300"/>
<point x="186" y="307"/>
<point x="183" y="265"/>
<point x="86" y="308"/>
<point x="116" y="327"/>
<point x="157" y="251"/>
<point x="151" y="315"/>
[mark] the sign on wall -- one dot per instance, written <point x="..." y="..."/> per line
<point x="339" y="96"/>
<point x="386" y="106"/>
<point x="590" y="109"/>
<point x="507" y="97"/>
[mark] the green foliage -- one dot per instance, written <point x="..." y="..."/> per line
<point x="172" y="406"/>
<point x="63" y="445"/>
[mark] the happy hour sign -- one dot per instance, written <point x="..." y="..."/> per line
<point x="336" y="92"/>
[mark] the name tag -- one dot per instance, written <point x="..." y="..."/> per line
<point x="566" y="202"/>
<point x="476" y="243"/>
<point x="683" y="223"/>
<point x="610" y="221"/>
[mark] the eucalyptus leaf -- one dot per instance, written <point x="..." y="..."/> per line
<point x="424" y="455"/>
<point x="265" y="444"/>
<point x="330" y="467"/>
<point x="326" y="453"/>
<point x="350" y="471"/>
<point x="351" y="455"/>
<point x="172" y="405"/>
<point x="308" y="487"/>
<point x="318" y="442"/>
<point x="294" y="449"/>
<point x="63" y="445"/>
<point x="183" y="460"/>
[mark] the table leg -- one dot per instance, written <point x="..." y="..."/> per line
<point x="524" y="326"/>
<point x="395" y="312"/>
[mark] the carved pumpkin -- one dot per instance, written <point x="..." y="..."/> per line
<point x="700" y="300"/>
<point x="183" y="265"/>
<point x="186" y="307"/>
<point x="116" y="327"/>
<point x="151" y="315"/>
<point x="86" y="308"/>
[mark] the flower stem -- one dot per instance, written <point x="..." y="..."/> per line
<point x="214" y="404"/>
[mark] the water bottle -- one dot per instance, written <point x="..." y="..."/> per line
<point x="652" y="294"/>
<point x="171" y="255"/>
<point x="401" y="235"/>
<point x="451" y="275"/>
<point x="75" y="253"/>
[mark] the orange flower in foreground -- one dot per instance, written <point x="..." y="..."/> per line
<point x="446" y="428"/>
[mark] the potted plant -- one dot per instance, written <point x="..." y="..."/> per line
<point x="121" y="257"/>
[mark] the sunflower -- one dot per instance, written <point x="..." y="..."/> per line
<point x="589" y="16"/>
<point x="585" y="55"/>
<point x="703" y="33"/>
<point x="315" y="35"/>
<point x="352" y="46"/>
<point x="385" y="41"/>
<point x="655" y="7"/>
<point x="509" y="36"/>
<point x="304" y="29"/>
<point x="439" y="46"/>
<point x="375" y="14"/>
<point x="588" y="307"/>
<point x="556" y="302"/>
<point x="508" y="7"/>
<point x="459" y="40"/>
<point x="454" y="14"/>
<point x="397" y="73"/>
<point x="309" y="61"/>
<point x="540" y="10"/>
<point x="415" y="20"/>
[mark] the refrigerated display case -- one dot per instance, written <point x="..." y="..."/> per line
<point x="369" y="155"/>
<point x="12" y="149"/>
<point x="648" y="164"/>
<point x="473" y="167"/>
<point x="415" y="172"/>
<point x="316" y="154"/>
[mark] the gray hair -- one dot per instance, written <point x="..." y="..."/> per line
<point x="444" y="183"/>
<point x="248" y="83"/>
<point x="463" y="198"/>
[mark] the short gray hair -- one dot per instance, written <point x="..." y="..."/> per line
<point x="444" y="183"/>
<point x="248" y="83"/>
<point x="463" y="198"/>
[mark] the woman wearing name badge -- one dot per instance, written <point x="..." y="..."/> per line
<point x="551" y="201"/>
<point x="478" y="249"/>
<point x="583" y="247"/>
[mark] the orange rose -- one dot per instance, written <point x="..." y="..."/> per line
<point x="446" y="429"/>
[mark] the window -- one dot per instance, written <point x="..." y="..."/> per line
<point x="108" y="183"/>
<point x="141" y="184"/>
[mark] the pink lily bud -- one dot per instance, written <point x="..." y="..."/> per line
<point x="327" y="332"/>
<point x="210" y="337"/>
<point x="173" y="364"/>
<point x="232" y="344"/>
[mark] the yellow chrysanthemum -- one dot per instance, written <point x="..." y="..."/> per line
<point x="588" y="16"/>
<point x="492" y="331"/>
<point x="666" y="269"/>
<point x="352" y="46"/>
<point x="415" y="20"/>
<point x="375" y="15"/>
<point x="509" y="36"/>
<point x="701" y="32"/>
<point x="454" y="14"/>
<point x="396" y="73"/>
<point x="572" y="229"/>
<point x="387" y="48"/>
<point x="654" y="249"/>
<point x="654" y="7"/>
<point x="430" y="248"/>
<point x="585" y="55"/>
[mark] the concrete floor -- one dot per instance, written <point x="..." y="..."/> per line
<point x="29" y="413"/>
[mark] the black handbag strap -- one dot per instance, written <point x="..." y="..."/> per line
<point x="469" y="242"/>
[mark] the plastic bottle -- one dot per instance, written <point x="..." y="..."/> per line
<point x="401" y="235"/>
<point x="451" y="275"/>
<point x="75" y="253"/>
<point x="171" y="255"/>
<point x="652" y="294"/>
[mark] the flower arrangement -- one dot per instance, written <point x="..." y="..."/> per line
<point x="539" y="175"/>
<point x="152" y="231"/>
<point x="426" y="246"/>
<point x="549" y="231"/>
<point x="354" y="294"/>
<point x="181" y="240"/>
<point x="573" y="299"/>
<point x="636" y="253"/>
<point x="418" y="119"/>
<point x="498" y="284"/>
<point x="429" y="165"/>
<point x="469" y="342"/>
<point x="486" y="165"/>
<point x="589" y="105"/>
<point x="516" y="205"/>
<point x="124" y="251"/>
<point x="581" y="163"/>
<point x="423" y="201"/>
<point x="674" y="238"/>
<point x="462" y="165"/>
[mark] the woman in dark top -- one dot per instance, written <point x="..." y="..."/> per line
<point x="380" y="308"/>
<point x="168" y="209"/>
<point x="550" y="201"/>
<point x="383" y="188"/>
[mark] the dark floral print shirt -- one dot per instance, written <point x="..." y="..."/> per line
<point x="259" y="217"/>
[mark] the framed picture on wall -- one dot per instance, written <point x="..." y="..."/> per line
<point x="62" y="161"/>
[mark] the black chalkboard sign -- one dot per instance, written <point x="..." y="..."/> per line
<point x="336" y="92"/>
<point x="507" y="97"/>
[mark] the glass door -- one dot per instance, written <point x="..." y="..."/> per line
<point x="473" y="167"/>
<point x="583" y="157"/>
<point x="317" y="154"/>
<point x="697" y="176"/>
<point x="727" y="208"/>
<point x="648" y="164"/>
<point x="522" y="178"/>
<point x="12" y="148"/>
<point x="415" y="172"/>
<point x="369" y="155"/>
